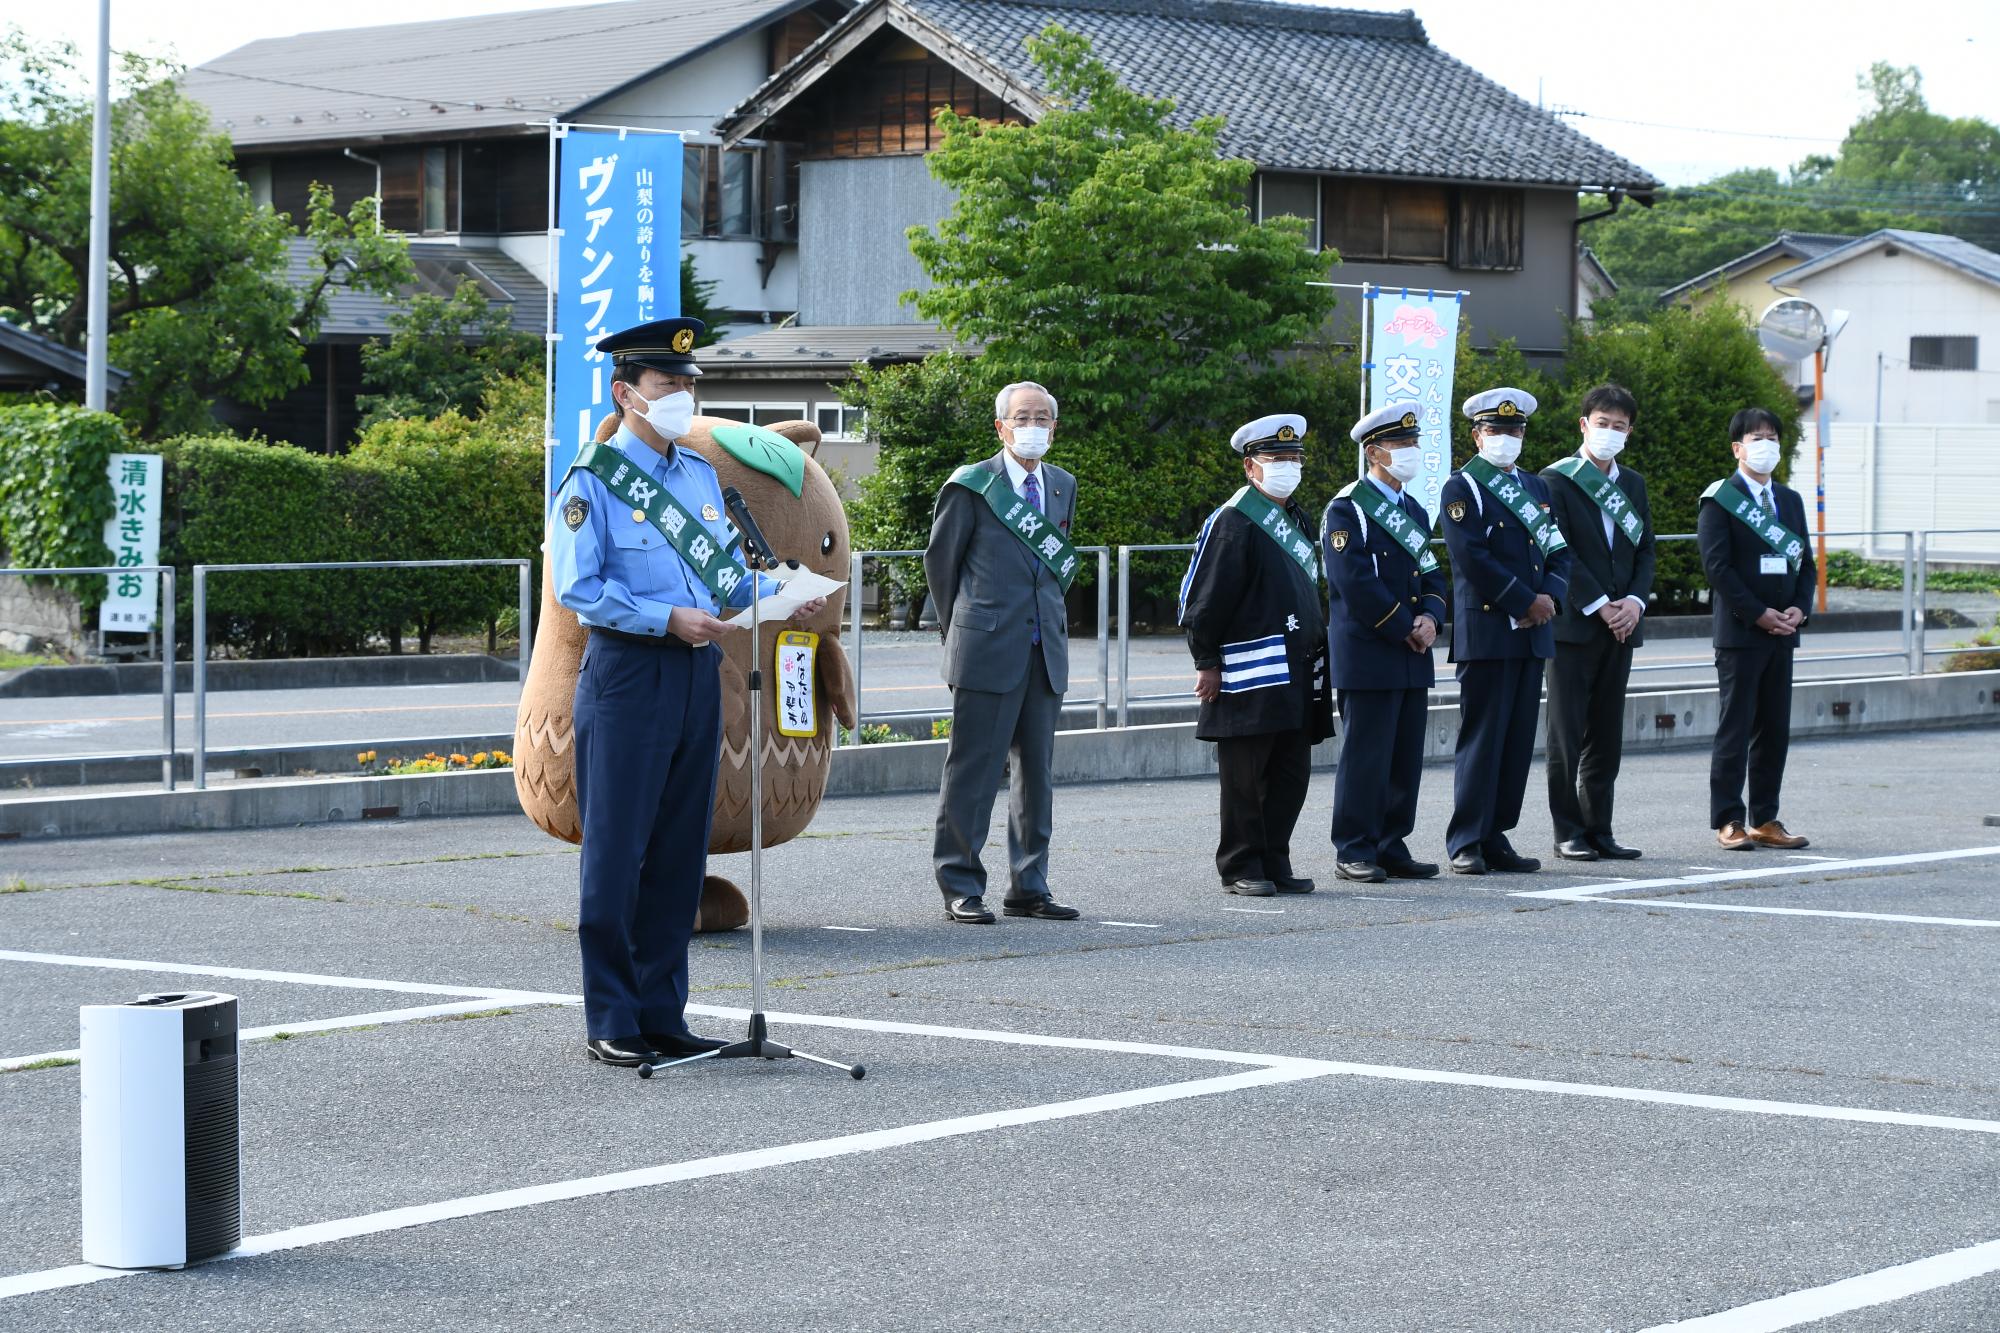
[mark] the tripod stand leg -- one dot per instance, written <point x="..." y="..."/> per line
<point x="648" y="1070"/>
<point x="852" y="1071"/>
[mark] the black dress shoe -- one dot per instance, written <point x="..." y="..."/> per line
<point x="1361" y="872"/>
<point x="1251" y="888"/>
<point x="1396" y="869"/>
<point x="1292" y="884"/>
<point x="1577" y="849"/>
<point x="1609" y="846"/>
<point x="625" y="1052"/>
<point x="1468" y="862"/>
<point x="971" y="910"/>
<point x="1506" y="859"/>
<point x="1048" y="909"/>
<point x="675" y="1045"/>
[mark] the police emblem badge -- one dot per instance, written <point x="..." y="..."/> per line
<point x="577" y="510"/>
<point x="1457" y="511"/>
<point x="684" y="340"/>
<point x="1337" y="539"/>
<point x="708" y="514"/>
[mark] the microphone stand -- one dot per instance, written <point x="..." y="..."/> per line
<point x="757" y="1044"/>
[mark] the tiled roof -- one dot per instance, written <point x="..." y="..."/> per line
<point x="1952" y="251"/>
<point x="831" y="348"/>
<point x="47" y="352"/>
<point x="1303" y="87"/>
<point x="359" y="314"/>
<point x="1794" y="244"/>
<point x="450" y="76"/>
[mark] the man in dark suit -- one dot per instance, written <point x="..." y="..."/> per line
<point x="1385" y="605"/>
<point x="1761" y="574"/>
<point x="1602" y="510"/>
<point x="998" y="565"/>
<point x="1510" y="575"/>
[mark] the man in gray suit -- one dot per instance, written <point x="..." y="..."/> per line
<point x="998" y="564"/>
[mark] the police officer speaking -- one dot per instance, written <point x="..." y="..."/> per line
<point x="1509" y="573"/>
<point x="1385" y="606"/>
<point x="639" y="549"/>
<point x="1250" y="605"/>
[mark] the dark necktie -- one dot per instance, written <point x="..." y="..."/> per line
<point x="1769" y="505"/>
<point x="1032" y="489"/>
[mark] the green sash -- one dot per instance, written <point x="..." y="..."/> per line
<point x="1274" y="523"/>
<point x="1518" y="502"/>
<point x="630" y="484"/>
<point x="1393" y="519"/>
<point x="1737" y="503"/>
<point x="1040" y="536"/>
<point x="1603" y="493"/>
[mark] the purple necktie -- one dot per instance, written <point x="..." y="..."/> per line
<point x="1033" y="489"/>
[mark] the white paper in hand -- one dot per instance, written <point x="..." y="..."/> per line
<point x="801" y="585"/>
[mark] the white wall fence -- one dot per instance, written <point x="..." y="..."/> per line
<point x="1892" y="476"/>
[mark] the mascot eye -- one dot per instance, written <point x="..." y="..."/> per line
<point x="826" y="544"/>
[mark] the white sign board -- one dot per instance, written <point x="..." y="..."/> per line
<point x="133" y="534"/>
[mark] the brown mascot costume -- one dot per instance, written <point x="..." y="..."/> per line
<point x="796" y="505"/>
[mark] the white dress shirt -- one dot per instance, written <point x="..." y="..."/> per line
<point x="1609" y="537"/>
<point x="1017" y="477"/>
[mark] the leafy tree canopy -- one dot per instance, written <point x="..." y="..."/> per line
<point x="444" y="354"/>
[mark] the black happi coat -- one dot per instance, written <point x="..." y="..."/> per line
<point x="1249" y="609"/>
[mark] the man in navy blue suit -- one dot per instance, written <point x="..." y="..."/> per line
<point x="1385" y="606"/>
<point x="1761" y="571"/>
<point x="1510" y="575"/>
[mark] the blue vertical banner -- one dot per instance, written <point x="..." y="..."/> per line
<point x="618" y="198"/>
<point x="1412" y="350"/>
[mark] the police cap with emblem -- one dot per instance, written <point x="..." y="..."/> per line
<point x="1279" y="433"/>
<point x="1392" y="424"/>
<point x="664" y="344"/>
<point x="1501" y="407"/>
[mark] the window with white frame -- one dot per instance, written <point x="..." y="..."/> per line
<point x="1951" y="352"/>
<point x="765" y="414"/>
<point x="838" y="421"/>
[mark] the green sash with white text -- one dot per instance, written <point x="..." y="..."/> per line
<point x="1738" y="504"/>
<point x="1603" y="493"/>
<point x="630" y="484"/>
<point x="1392" y="518"/>
<point x="1518" y="502"/>
<point x="1274" y="523"/>
<point x="1043" y="538"/>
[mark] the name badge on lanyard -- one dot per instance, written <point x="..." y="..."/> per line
<point x="797" y="714"/>
<point x="1772" y="564"/>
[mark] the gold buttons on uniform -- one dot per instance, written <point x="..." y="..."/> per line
<point x="638" y="516"/>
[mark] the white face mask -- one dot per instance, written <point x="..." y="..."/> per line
<point x="1404" y="463"/>
<point x="1604" y="443"/>
<point x="1761" y="456"/>
<point x="671" y="416"/>
<point x="1031" y="441"/>
<point x="1281" y="479"/>
<point x="1500" y="450"/>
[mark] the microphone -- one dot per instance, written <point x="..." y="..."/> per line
<point x="756" y="551"/>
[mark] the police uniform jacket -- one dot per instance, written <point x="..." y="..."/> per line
<point x="1601" y="567"/>
<point x="1375" y="592"/>
<point x="1497" y="570"/>
<point x="1733" y="557"/>
<point x="1249" y="609"/>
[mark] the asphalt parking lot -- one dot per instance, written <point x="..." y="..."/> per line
<point x="1753" y="1090"/>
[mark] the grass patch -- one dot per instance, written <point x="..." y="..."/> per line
<point x="1846" y="569"/>
<point x="52" y="1062"/>
<point x="16" y="661"/>
<point x="16" y="885"/>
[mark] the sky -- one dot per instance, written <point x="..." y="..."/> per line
<point x="1685" y="88"/>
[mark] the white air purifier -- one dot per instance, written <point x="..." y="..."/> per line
<point x="162" y="1161"/>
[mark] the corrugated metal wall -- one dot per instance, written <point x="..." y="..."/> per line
<point x="853" y="256"/>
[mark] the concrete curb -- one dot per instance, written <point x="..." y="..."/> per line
<point x="267" y="761"/>
<point x="1663" y="720"/>
<point x="292" y="673"/>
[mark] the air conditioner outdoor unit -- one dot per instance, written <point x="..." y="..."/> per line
<point x="162" y="1161"/>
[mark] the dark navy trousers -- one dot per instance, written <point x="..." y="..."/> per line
<point x="1381" y="766"/>
<point x="1499" y="703"/>
<point x="648" y="730"/>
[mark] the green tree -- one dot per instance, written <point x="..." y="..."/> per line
<point x="201" y="302"/>
<point x="443" y="356"/>
<point x="697" y="302"/>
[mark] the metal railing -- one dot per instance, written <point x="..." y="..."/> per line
<point x="1919" y="653"/>
<point x="200" y="664"/>
<point x="166" y="573"/>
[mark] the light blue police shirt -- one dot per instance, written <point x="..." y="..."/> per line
<point x="619" y="574"/>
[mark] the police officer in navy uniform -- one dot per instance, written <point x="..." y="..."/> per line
<point x="1250" y="605"/>
<point x="648" y="700"/>
<point x="1384" y="611"/>
<point x="1506" y="587"/>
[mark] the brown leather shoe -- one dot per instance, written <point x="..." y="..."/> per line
<point x="1774" y="834"/>
<point x="1733" y="837"/>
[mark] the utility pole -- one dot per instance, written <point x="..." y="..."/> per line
<point x="97" y="291"/>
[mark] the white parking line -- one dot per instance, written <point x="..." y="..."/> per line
<point x="1137" y="925"/>
<point x="1854" y="1293"/>
<point x="1255" y="911"/>
<point x="859" y="930"/>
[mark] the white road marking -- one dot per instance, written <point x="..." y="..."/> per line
<point x="859" y="930"/>
<point x="1256" y="911"/>
<point x="1811" y="911"/>
<point x="1854" y="1293"/>
<point x="1364" y="898"/>
<point x="1810" y="856"/>
<point x="1704" y="867"/>
<point x="1138" y="925"/>
<point x="1588" y="893"/>
<point x="294" y="978"/>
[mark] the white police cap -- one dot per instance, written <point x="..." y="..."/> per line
<point x="1505" y="406"/>
<point x="1396" y="421"/>
<point x="1281" y="432"/>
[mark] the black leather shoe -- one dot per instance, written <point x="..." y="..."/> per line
<point x="1577" y="849"/>
<point x="625" y="1052"/>
<point x="972" y="911"/>
<point x="1608" y="846"/>
<point x="1292" y="884"/>
<point x="1048" y="909"/>
<point x="1408" y="869"/>
<point x="1468" y="862"/>
<point x="1361" y="872"/>
<point x="676" y="1045"/>
<point x="1505" y="859"/>
<point x="1251" y="888"/>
